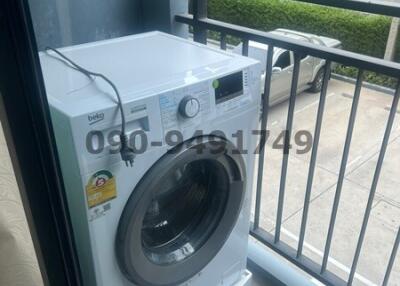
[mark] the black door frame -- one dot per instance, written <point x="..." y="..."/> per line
<point x="25" y="117"/>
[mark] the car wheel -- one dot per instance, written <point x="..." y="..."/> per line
<point x="316" y="85"/>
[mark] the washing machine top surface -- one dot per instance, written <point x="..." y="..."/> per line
<point x="139" y="65"/>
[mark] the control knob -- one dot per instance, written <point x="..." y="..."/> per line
<point x="189" y="107"/>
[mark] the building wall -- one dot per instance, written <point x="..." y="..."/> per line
<point x="59" y="23"/>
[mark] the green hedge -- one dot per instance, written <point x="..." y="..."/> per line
<point x="369" y="76"/>
<point x="359" y="32"/>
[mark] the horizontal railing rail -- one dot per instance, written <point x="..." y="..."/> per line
<point x="387" y="8"/>
<point x="335" y="55"/>
<point x="201" y="25"/>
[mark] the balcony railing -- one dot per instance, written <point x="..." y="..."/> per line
<point x="201" y="25"/>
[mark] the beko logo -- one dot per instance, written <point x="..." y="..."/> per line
<point x="94" y="118"/>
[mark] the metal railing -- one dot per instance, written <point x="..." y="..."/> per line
<point x="201" y="25"/>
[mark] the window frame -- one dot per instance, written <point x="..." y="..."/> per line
<point x="291" y="58"/>
<point x="25" y="117"/>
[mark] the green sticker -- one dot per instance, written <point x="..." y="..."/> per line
<point x="215" y="84"/>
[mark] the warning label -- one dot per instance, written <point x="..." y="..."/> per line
<point x="101" y="188"/>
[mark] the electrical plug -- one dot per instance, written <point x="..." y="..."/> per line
<point x="127" y="153"/>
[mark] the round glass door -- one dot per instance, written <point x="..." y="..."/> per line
<point x="185" y="210"/>
<point x="181" y="213"/>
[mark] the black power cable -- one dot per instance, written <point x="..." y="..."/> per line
<point x="127" y="153"/>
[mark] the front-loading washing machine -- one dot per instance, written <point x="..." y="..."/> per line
<point x="180" y="215"/>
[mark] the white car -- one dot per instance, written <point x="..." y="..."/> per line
<point x="311" y="68"/>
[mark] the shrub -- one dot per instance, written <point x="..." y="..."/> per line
<point x="359" y="32"/>
<point x="369" y="76"/>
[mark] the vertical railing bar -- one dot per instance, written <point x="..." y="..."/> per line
<point x="375" y="181"/>
<point x="223" y="41"/>
<point x="313" y="159"/>
<point x="199" y="12"/>
<point x="342" y="171"/>
<point x="392" y="259"/>
<point x="264" y="121"/>
<point x="245" y="48"/>
<point x="288" y="133"/>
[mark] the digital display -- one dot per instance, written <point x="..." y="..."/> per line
<point x="228" y="87"/>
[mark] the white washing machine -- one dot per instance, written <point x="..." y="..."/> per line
<point x="180" y="214"/>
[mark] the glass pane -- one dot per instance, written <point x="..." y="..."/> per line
<point x="185" y="210"/>
<point x="116" y="93"/>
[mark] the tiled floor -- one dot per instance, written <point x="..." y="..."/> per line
<point x="258" y="280"/>
<point x="18" y="263"/>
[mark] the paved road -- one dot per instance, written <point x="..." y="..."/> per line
<point x="385" y="218"/>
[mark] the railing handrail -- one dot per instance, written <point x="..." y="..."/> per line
<point x="335" y="55"/>
<point x="386" y="8"/>
<point x="201" y="24"/>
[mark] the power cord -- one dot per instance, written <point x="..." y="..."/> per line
<point x="127" y="153"/>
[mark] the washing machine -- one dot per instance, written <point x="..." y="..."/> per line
<point x="180" y="214"/>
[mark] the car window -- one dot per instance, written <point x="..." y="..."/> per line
<point x="283" y="61"/>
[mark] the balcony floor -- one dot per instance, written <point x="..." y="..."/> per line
<point x="18" y="263"/>
<point x="258" y="280"/>
<point x="260" y="277"/>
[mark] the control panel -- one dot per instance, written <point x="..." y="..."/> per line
<point x="184" y="107"/>
<point x="228" y="87"/>
<point x="192" y="105"/>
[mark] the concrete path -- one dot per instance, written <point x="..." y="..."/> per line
<point x="368" y="133"/>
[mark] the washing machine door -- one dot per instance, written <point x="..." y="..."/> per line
<point x="181" y="212"/>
